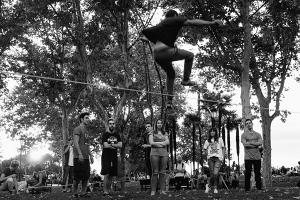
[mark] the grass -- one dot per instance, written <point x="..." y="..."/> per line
<point x="283" y="188"/>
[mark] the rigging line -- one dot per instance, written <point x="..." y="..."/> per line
<point x="95" y="85"/>
<point x="127" y="89"/>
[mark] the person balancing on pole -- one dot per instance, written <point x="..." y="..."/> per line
<point x="164" y="35"/>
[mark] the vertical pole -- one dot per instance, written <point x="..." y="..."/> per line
<point x="200" y="144"/>
<point x="194" y="154"/>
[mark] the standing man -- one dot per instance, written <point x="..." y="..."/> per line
<point x="252" y="141"/>
<point x="164" y="35"/>
<point x="147" y="147"/>
<point x="82" y="156"/>
<point x="111" y="141"/>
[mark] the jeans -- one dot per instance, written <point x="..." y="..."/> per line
<point x="248" y="170"/>
<point x="165" y="57"/>
<point x="214" y="164"/>
<point x="159" y="165"/>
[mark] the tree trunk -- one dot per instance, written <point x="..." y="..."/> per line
<point x="65" y="125"/>
<point x="266" y="127"/>
<point x="81" y="41"/>
<point x="65" y="133"/>
<point x="148" y="83"/>
<point x="245" y="81"/>
<point x="122" y="174"/>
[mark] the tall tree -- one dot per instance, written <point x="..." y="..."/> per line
<point x="257" y="47"/>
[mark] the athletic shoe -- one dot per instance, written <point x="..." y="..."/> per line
<point x="152" y="193"/>
<point x="163" y="192"/>
<point x="206" y="189"/>
<point x="215" y="191"/>
<point x="188" y="83"/>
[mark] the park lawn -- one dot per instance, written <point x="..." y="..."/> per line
<point x="283" y="188"/>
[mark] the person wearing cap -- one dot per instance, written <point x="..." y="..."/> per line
<point x="8" y="178"/>
<point x="164" y="35"/>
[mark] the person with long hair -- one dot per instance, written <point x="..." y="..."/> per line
<point x="159" y="141"/>
<point x="215" y="151"/>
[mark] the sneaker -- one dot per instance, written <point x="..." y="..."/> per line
<point x="188" y="83"/>
<point x="206" y="189"/>
<point x="215" y="191"/>
<point x="152" y="193"/>
<point x="163" y="192"/>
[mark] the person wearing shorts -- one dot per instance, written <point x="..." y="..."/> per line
<point x="111" y="142"/>
<point x="82" y="156"/>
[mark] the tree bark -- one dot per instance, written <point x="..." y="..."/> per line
<point x="267" y="166"/>
<point x="245" y="81"/>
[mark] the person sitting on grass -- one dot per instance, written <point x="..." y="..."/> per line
<point x="180" y="173"/>
<point x="38" y="181"/>
<point x="8" y="178"/>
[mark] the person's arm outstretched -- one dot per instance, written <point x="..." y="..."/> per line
<point x="199" y="22"/>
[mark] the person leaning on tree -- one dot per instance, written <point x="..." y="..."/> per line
<point x="252" y="142"/>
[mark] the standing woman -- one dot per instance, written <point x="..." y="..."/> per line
<point x="215" y="150"/>
<point x="159" y="156"/>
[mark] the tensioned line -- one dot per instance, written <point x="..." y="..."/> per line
<point x="95" y="85"/>
<point x="119" y="88"/>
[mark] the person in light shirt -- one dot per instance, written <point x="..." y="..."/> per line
<point x="252" y="142"/>
<point x="215" y="150"/>
<point x="68" y="166"/>
<point x="180" y="172"/>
